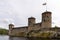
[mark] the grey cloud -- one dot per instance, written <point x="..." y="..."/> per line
<point x="20" y="10"/>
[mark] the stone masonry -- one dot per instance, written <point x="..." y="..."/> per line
<point x="45" y="24"/>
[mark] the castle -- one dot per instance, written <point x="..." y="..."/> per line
<point x="45" y="24"/>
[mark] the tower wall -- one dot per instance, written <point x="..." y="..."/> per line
<point x="11" y="26"/>
<point x="31" y="22"/>
<point x="46" y="20"/>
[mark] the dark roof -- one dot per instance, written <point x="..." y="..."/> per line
<point x="37" y="24"/>
<point x="11" y="25"/>
<point x="56" y="27"/>
<point x="20" y="27"/>
<point x="47" y="12"/>
<point x="31" y="18"/>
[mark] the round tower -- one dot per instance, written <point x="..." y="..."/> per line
<point x="46" y="19"/>
<point x="10" y="28"/>
<point x="31" y="21"/>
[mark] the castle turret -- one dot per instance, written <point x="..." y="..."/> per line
<point x="46" y="19"/>
<point x="31" y="21"/>
<point x="10" y="28"/>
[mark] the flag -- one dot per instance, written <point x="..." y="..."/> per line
<point x="44" y="3"/>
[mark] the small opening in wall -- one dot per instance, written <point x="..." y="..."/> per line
<point x="44" y="20"/>
<point x="47" y="16"/>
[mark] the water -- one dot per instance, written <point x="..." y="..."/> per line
<point x="4" y="37"/>
<point x="17" y="38"/>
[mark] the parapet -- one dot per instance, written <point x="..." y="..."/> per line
<point x="47" y="12"/>
<point x="11" y="25"/>
<point x="31" y="18"/>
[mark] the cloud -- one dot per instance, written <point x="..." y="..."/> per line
<point x="8" y="21"/>
<point x="18" y="11"/>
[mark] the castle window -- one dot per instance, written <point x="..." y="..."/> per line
<point x="44" y="20"/>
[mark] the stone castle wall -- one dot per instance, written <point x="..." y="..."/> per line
<point x="18" y="31"/>
<point x="46" y="23"/>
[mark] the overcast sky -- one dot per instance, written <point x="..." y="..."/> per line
<point x="18" y="11"/>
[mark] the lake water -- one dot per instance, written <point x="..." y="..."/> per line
<point x="4" y="37"/>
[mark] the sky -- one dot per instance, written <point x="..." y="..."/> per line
<point x="17" y="12"/>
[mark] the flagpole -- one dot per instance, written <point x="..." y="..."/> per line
<point x="45" y="4"/>
<point x="46" y="8"/>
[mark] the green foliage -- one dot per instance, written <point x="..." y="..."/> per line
<point x="3" y="32"/>
<point x="41" y="34"/>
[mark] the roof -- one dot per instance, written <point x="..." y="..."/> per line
<point x="47" y="12"/>
<point x="11" y="25"/>
<point x="56" y="27"/>
<point x="20" y="27"/>
<point x="38" y="24"/>
<point x="31" y="18"/>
